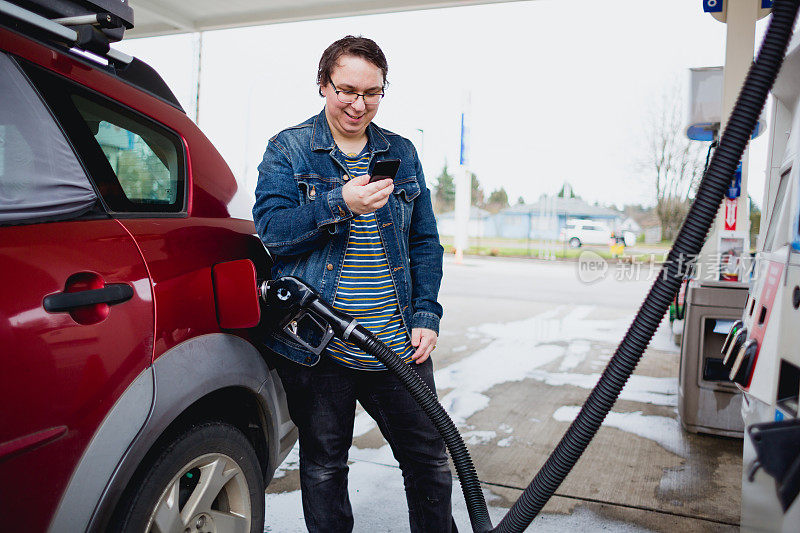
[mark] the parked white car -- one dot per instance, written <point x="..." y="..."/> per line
<point x="579" y="232"/>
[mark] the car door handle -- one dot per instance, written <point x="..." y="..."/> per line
<point x="114" y="293"/>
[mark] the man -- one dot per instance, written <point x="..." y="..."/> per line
<point x="371" y="249"/>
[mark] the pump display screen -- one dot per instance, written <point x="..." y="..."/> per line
<point x="778" y="206"/>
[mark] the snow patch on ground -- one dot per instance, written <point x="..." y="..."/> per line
<point x="646" y="389"/>
<point x="479" y="437"/>
<point x="576" y="354"/>
<point x="548" y="327"/>
<point x="664" y="430"/>
<point x="503" y="360"/>
<point x="463" y="403"/>
<point x="506" y="442"/>
<point x="363" y="424"/>
<point x="662" y="339"/>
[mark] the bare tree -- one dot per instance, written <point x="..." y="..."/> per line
<point x="675" y="162"/>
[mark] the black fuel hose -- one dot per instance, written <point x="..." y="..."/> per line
<point x="470" y="485"/>
<point x="687" y="245"/>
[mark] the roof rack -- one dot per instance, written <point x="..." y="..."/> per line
<point x="112" y="17"/>
<point x="86" y="28"/>
<point x="85" y="25"/>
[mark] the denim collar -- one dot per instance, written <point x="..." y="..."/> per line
<point x="322" y="138"/>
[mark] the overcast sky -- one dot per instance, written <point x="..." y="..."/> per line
<point x="560" y="90"/>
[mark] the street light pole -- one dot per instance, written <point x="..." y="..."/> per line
<point x="463" y="188"/>
<point x="197" y="64"/>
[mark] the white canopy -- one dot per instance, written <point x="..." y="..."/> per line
<point x="163" y="17"/>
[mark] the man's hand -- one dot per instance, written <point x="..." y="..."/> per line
<point x="363" y="197"/>
<point x="424" y="340"/>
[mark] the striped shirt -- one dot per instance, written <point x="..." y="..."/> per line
<point x="366" y="290"/>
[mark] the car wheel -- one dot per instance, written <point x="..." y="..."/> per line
<point x="207" y="480"/>
<point x="574" y="242"/>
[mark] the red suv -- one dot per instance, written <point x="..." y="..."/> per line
<point x="126" y="406"/>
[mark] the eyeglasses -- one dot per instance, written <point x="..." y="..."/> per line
<point x="350" y="97"/>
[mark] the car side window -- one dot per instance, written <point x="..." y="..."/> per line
<point x="144" y="161"/>
<point x="41" y="179"/>
<point x="137" y="165"/>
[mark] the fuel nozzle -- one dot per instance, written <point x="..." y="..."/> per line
<point x="741" y="370"/>
<point x="731" y="335"/>
<point x="734" y="341"/>
<point x="303" y="315"/>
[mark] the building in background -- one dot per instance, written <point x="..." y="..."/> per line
<point x="476" y="227"/>
<point x="546" y="218"/>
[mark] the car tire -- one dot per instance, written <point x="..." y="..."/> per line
<point x="574" y="242"/>
<point x="207" y="479"/>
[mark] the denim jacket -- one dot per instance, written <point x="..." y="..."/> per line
<point x="304" y="222"/>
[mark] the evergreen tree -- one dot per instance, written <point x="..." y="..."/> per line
<point x="445" y="198"/>
<point x="477" y="192"/>
<point x="498" y="200"/>
<point x="567" y="192"/>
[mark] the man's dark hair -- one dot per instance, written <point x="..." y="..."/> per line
<point x="354" y="46"/>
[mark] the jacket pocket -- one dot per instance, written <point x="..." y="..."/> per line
<point x="311" y="187"/>
<point x="404" y="195"/>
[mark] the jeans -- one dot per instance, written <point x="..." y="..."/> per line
<point x="322" y="402"/>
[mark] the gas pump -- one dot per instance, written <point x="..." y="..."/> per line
<point x="762" y="353"/>
<point x="708" y="401"/>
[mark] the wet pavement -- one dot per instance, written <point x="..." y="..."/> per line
<point x="521" y="344"/>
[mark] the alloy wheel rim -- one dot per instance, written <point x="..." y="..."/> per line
<point x="208" y="495"/>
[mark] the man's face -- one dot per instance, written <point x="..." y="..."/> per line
<point x="353" y="74"/>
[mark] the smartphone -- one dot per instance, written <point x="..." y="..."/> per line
<point x="386" y="168"/>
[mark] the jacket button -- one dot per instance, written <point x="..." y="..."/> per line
<point x="329" y="266"/>
<point x="308" y="359"/>
<point x="345" y="177"/>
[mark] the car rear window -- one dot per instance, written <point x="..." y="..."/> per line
<point x="40" y="177"/>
